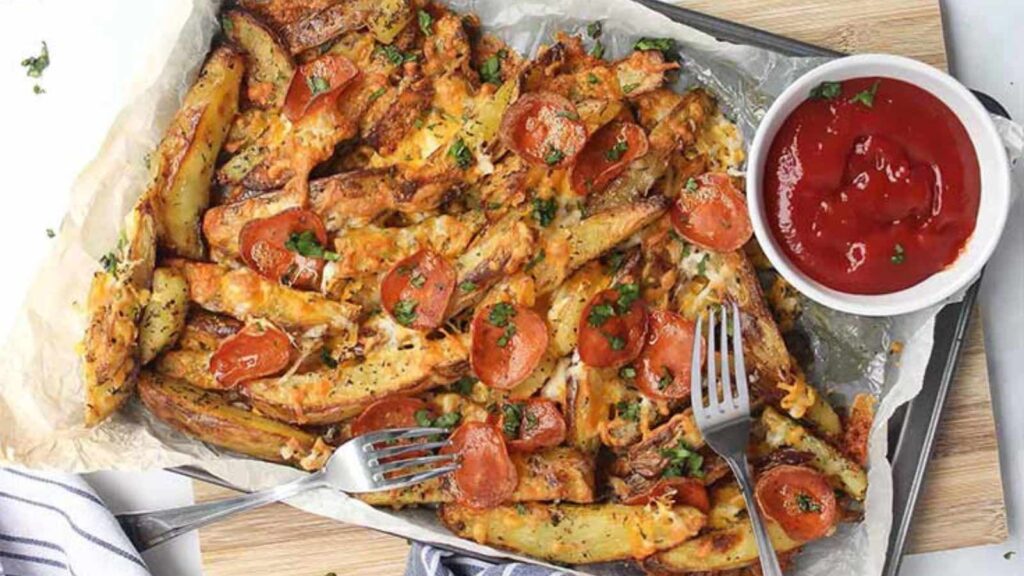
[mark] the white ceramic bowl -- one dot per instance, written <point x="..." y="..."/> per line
<point x="995" y="184"/>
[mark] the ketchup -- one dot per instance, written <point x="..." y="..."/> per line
<point x="872" y="185"/>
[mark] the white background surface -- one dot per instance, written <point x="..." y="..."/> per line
<point x="98" y="51"/>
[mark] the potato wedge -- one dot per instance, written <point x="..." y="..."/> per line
<point x="190" y="366"/>
<point x="498" y="251"/>
<point x="211" y="418"/>
<point x="722" y="549"/>
<point x="222" y="224"/>
<point x="331" y="395"/>
<point x="334" y="20"/>
<point x="556" y="474"/>
<point x="204" y="330"/>
<point x="781" y="431"/>
<point x="575" y="534"/>
<point x="183" y="163"/>
<point x="269" y="67"/>
<point x="591" y="394"/>
<point x="163" y="318"/>
<point x="245" y="294"/>
<point x="567" y="303"/>
<point x="388" y="19"/>
<point x="115" y="302"/>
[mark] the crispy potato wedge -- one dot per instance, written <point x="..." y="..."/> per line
<point x="645" y="458"/>
<point x="163" y="318"/>
<point x="204" y="330"/>
<point x="269" y="67"/>
<point x="782" y="431"/>
<point x="590" y="395"/>
<point x="567" y="303"/>
<point x="576" y="534"/>
<point x="721" y="549"/>
<point x="245" y="294"/>
<point x="211" y="418"/>
<point x="388" y="19"/>
<point x="555" y="474"/>
<point x="222" y="224"/>
<point x="325" y="25"/>
<point x="115" y="302"/>
<point x="191" y="366"/>
<point x="408" y="106"/>
<point x="331" y="395"/>
<point x="500" y="250"/>
<point x="184" y="161"/>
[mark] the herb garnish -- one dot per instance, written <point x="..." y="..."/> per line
<point x="418" y="279"/>
<point x="464" y="386"/>
<point x="598" y="50"/>
<point x="544" y="210"/>
<point x="306" y="244"/>
<point x="594" y="29"/>
<point x="317" y="84"/>
<point x="866" y="97"/>
<point x="554" y="156"/>
<point x="327" y="359"/>
<point x="592" y="78"/>
<point x="34" y="65"/>
<point x="425" y="21"/>
<point x="665" y="379"/>
<point x="599" y="314"/>
<point x="501" y="315"/>
<point x="396" y="56"/>
<point x="461" y="153"/>
<point x="615" y="342"/>
<point x="807" y="504"/>
<point x="405" y="312"/>
<point x="50" y="233"/>
<point x="616" y="152"/>
<point x="448" y="420"/>
<point x="827" y="90"/>
<point x="898" y="254"/>
<point x="682" y="461"/>
<point x="628" y="410"/>
<point x="627" y="88"/>
<point x="627" y="372"/>
<point x="512" y="413"/>
<point x="109" y="261"/>
<point x="664" y="45"/>
<point x="490" y="70"/>
<point x="534" y="261"/>
<point x="377" y="93"/>
<point x="467" y="286"/>
<point x="691" y="184"/>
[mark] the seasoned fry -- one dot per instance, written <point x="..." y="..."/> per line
<point x="184" y="161"/>
<point x="222" y="224"/>
<point x="163" y="318"/>
<point x="721" y="549"/>
<point x="270" y="67"/>
<point x="191" y="366"/>
<point x="211" y="418"/>
<point x="576" y="534"/>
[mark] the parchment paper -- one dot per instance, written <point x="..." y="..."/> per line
<point x="41" y="398"/>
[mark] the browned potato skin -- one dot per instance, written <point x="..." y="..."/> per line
<point x="413" y="98"/>
<point x="210" y="418"/>
<point x="204" y="330"/>
<point x="574" y="534"/>
<point x="269" y="67"/>
<point x="163" y="318"/>
<point x="722" y="549"/>
<point x="325" y="25"/>
<point x="184" y="161"/>
<point x="115" y="302"/>
<point x="191" y="366"/>
<point x="222" y="224"/>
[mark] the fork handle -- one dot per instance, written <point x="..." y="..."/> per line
<point x="769" y="561"/>
<point x="147" y="529"/>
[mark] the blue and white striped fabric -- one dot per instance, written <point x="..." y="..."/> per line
<point x="425" y="560"/>
<point x="55" y="525"/>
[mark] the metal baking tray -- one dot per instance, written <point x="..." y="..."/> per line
<point x="913" y="427"/>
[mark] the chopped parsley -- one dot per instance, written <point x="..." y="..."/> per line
<point x="702" y="266"/>
<point x="521" y="509"/>
<point x="898" y="254"/>
<point x="467" y="286"/>
<point x="628" y="410"/>
<point x="501" y="315"/>
<point x="554" y="156"/>
<point x="827" y="91"/>
<point x="317" y="84"/>
<point x="691" y="184"/>
<point x="418" y="279"/>
<point x="592" y="78"/>
<point x="37" y="89"/>
<point x="807" y="504"/>
<point x="490" y="70"/>
<point x="109" y="261"/>
<point x="665" y="379"/>
<point x="34" y="65"/>
<point x="449" y="420"/>
<point x="599" y="314"/>
<point x="628" y="294"/>
<point x="534" y="261"/>
<point x="306" y="244"/>
<point x="377" y="93"/>
<point x="682" y="461"/>
<point x="594" y="29"/>
<point x="512" y="417"/>
<point x="614" y="260"/>
<point x="567" y="114"/>
<point x="405" y="312"/>
<point x="531" y="421"/>
<point x="50" y="233"/>
<point x="1009" y="555"/>
<point x="616" y="152"/>
<point x="627" y="88"/>
<point x="327" y="359"/>
<point x="615" y="342"/>
<point x="627" y="372"/>
<point x="544" y="211"/>
<point x="866" y="97"/>
<point x="464" y="386"/>
<point x="425" y="22"/>
<point x="664" y="45"/>
<point x="396" y="56"/>
<point x="598" y="50"/>
<point x="461" y="153"/>
<point x="227" y="25"/>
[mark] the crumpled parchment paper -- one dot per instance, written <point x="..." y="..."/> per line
<point x="41" y="398"/>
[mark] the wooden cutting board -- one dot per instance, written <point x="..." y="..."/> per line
<point x="962" y="504"/>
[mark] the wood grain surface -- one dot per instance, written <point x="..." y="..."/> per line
<point x="962" y="504"/>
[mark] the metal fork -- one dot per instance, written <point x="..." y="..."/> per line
<point x="359" y="465"/>
<point x="725" y="422"/>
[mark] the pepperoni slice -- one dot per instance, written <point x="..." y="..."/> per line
<point x="606" y="155"/>
<point x="254" y="352"/>
<point x="320" y="80"/>
<point x="416" y="290"/>
<point x="712" y="214"/>
<point x="799" y="499"/>
<point x="663" y="369"/>
<point x="274" y="247"/>
<point x="531" y="425"/>
<point x="683" y="491"/>
<point x="387" y="413"/>
<point x="613" y="327"/>
<point x="487" y="476"/>
<point x="545" y="129"/>
<point x="508" y="343"/>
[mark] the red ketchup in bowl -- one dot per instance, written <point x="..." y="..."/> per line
<point x="871" y="185"/>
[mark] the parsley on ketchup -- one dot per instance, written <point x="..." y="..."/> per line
<point x="872" y="185"/>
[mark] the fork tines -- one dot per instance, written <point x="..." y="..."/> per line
<point x="723" y="401"/>
<point x="387" y="467"/>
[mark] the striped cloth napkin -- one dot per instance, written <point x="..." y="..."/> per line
<point x="425" y="560"/>
<point x="55" y="525"/>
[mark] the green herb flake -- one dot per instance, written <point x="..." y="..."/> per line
<point x="628" y="410"/>
<point x="534" y="261"/>
<point x="627" y="372"/>
<point x="827" y="91"/>
<point x="615" y="152"/>
<point x="807" y="504"/>
<point x="34" y="65"/>
<point x="449" y="420"/>
<point x="554" y="156"/>
<point x="531" y="422"/>
<point x="866" y="97"/>
<point x="377" y="93"/>
<point x="663" y="45"/>
<point x="425" y="22"/>
<point x="501" y="314"/>
<point x="627" y="88"/>
<point x="418" y="279"/>
<point x="109" y="261"/>
<point x="665" y="379"/>
<point x="461" y="153"/>
<point x="1009" y="555"/>
<point x="615" y="260"/>
<point x="396" y="56"/>
<point x="490" y="70"/>
<point x="544" y="210"/>
<point x="568" y="114"/>
<point x="423" y="418"/>
<point x="305" y="243"/>
<point x="521" y="509"/>
<point x="327" y="359"/>
<point x="467" y="286"/>
<point x="899" y="255"/>
<point x="227" y="25"/>
<point x="702" y="266"/>
<point x="50" y="233"/>
<point x="691" y="185"/>
<point x="512" y="416"/>
<point x="405" y="312"/>
<point x="599" y="314"/>
<point x="682" y="461"/>
<point x="615" y="342"/>
<point x="628" y="294"/>
<point x="317" y="84"/>
<point x="594" y="29"/>
<point x="597" y="51"/>
<point x="592" y="78"/>
<point x="37" y="89"/>
<point x="464" y="386"/>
